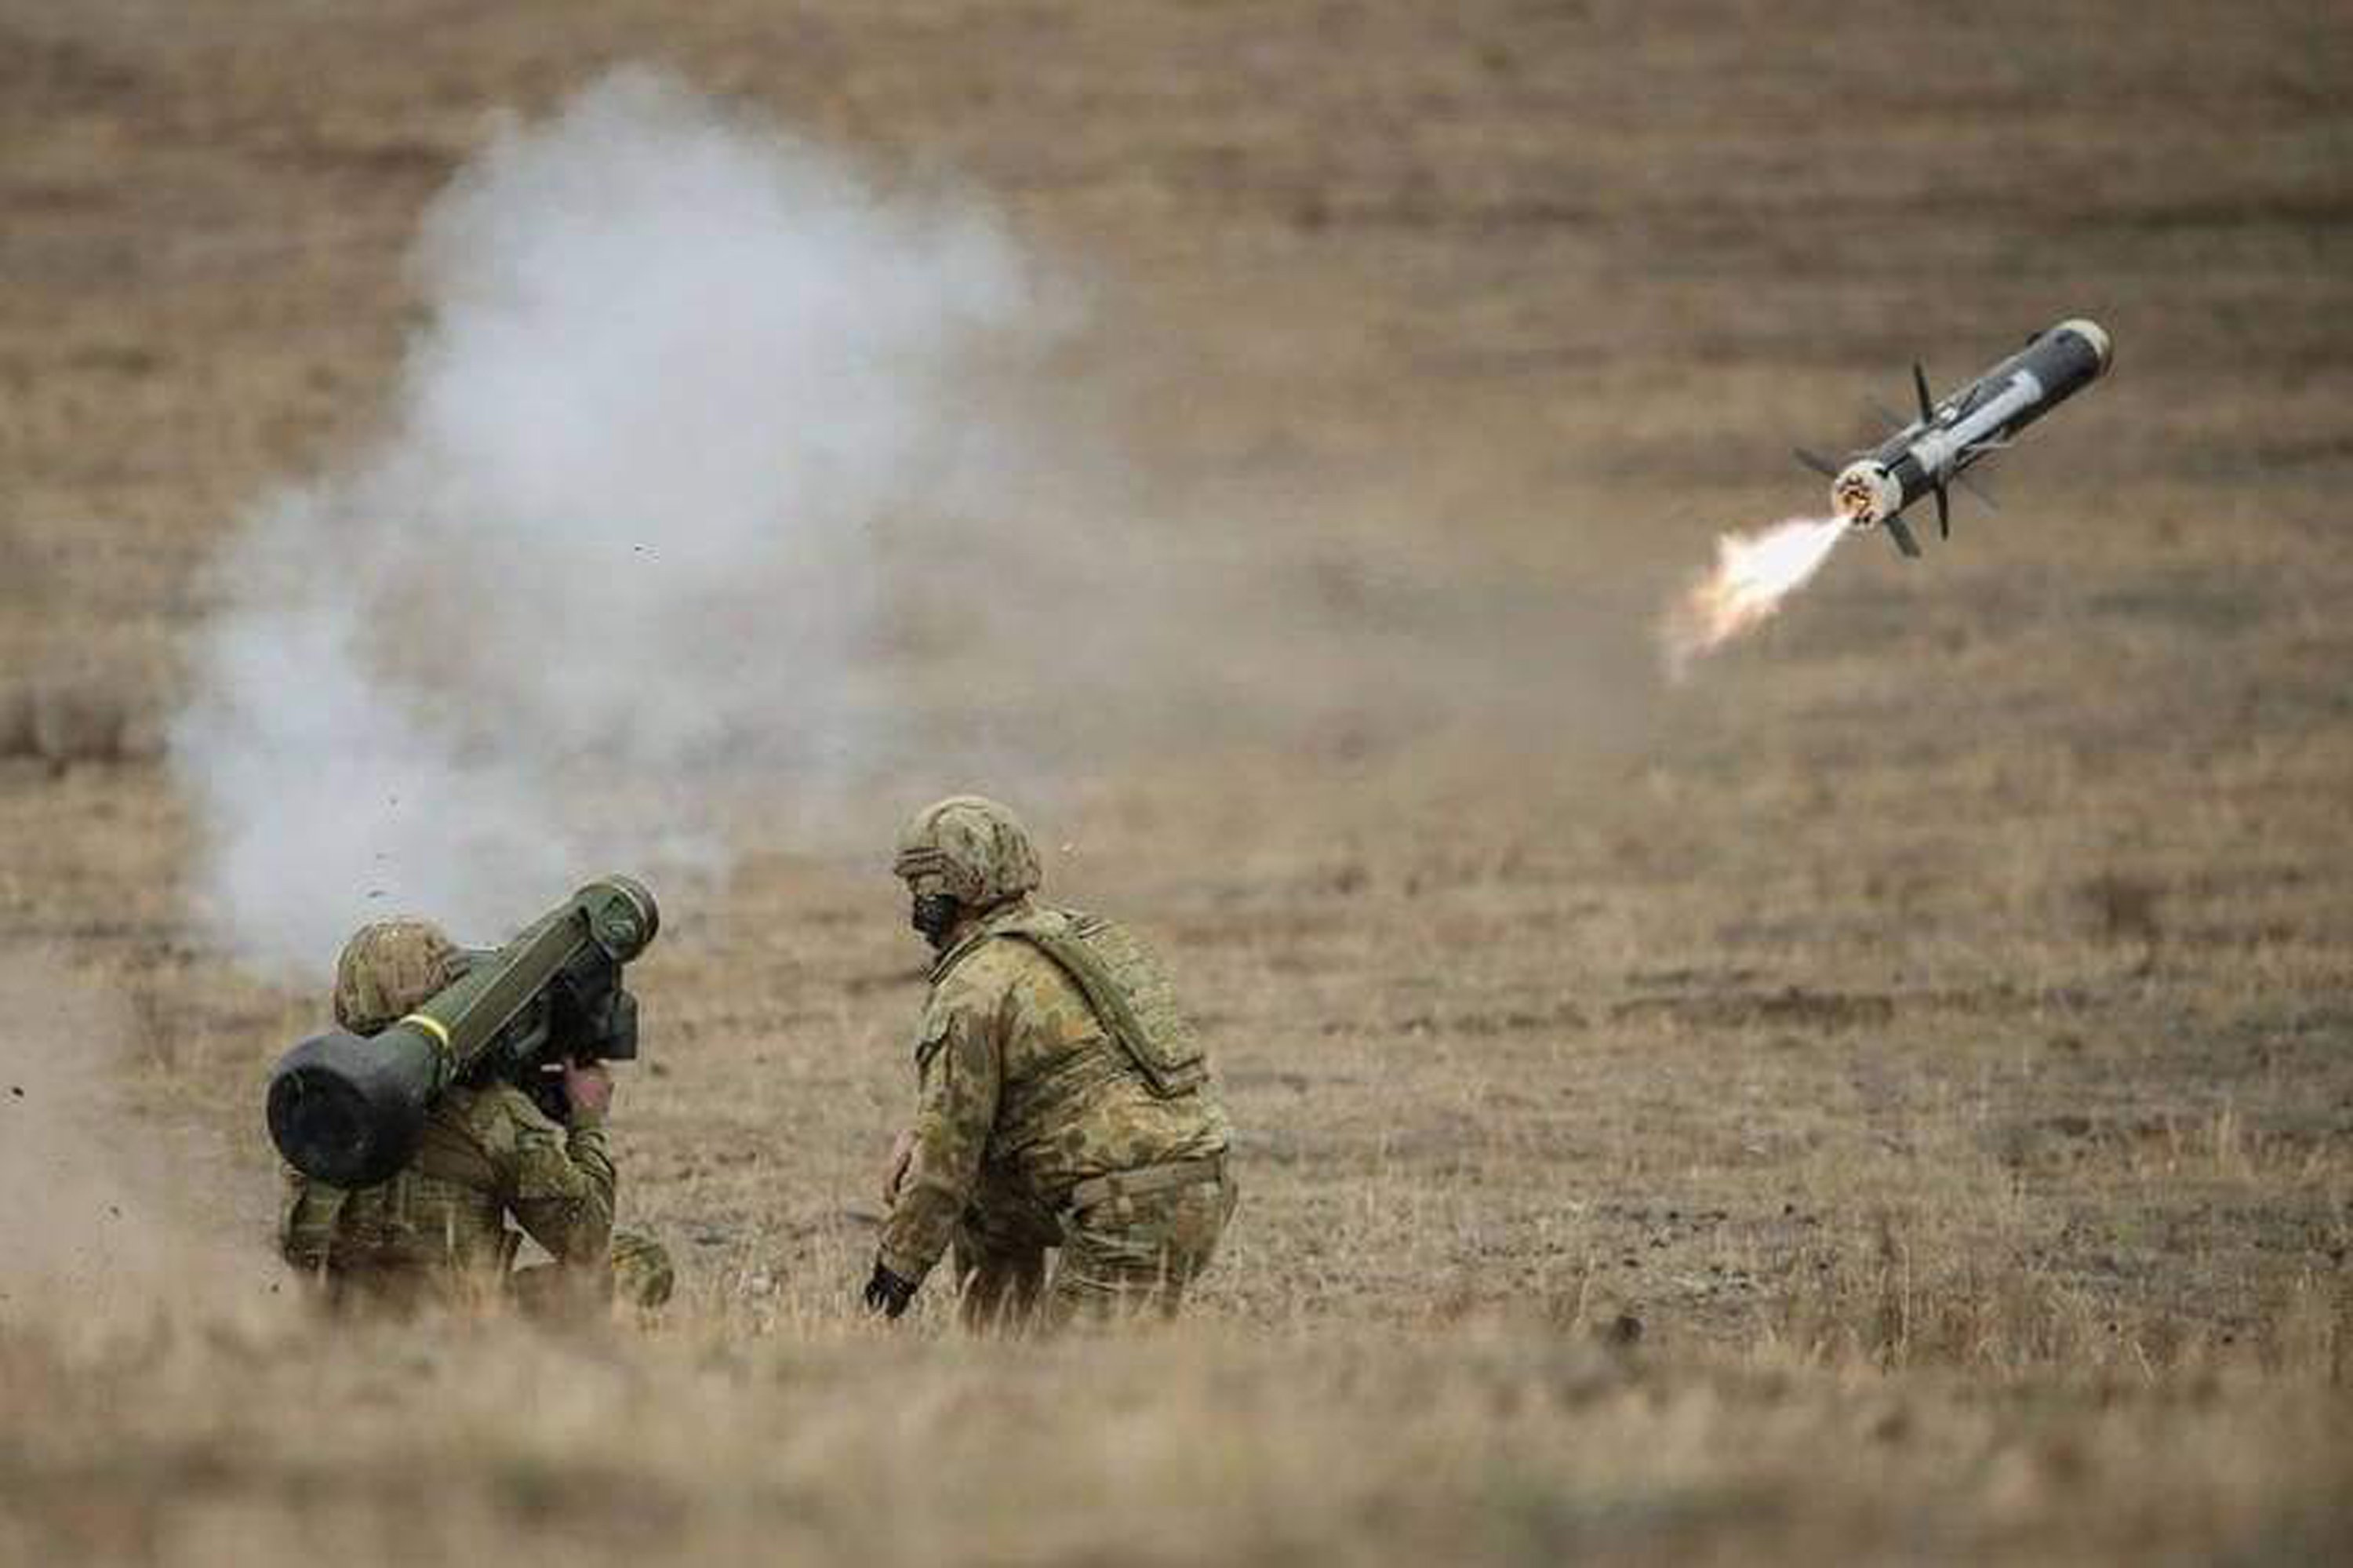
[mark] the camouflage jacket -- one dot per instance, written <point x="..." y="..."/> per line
<point x="487" y="1153"/>
<point x="1021" y="1084"/>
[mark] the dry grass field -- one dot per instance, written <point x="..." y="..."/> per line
<point x="1887" y="1097"/>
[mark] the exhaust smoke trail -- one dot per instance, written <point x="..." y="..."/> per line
<point x="683" y="375"/>
<point x="1754" y="574"/>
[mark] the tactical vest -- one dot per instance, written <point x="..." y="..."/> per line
<point x="1127" y="989"/>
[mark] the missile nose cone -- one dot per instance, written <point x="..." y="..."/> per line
<point x="2093" y="333"/>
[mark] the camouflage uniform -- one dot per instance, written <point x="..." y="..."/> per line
<point x="438" y="1229"/>
<point x="1039" y="1124"/>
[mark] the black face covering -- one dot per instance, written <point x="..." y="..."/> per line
<point x="934" y="915"/>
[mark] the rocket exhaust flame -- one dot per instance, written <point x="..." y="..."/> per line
<point x="1754" y="572"/>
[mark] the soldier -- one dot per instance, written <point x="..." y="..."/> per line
<point x="1064" y="1099"/>
<point x="438" y="1229"/>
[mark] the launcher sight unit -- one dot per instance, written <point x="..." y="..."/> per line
<point x="347" y="1110"/>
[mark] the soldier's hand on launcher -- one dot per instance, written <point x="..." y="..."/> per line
<point x="588" y="1089"/>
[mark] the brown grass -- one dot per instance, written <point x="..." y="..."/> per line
<point x="1887" y="1099"/>
<point x="1493" y="1441"/>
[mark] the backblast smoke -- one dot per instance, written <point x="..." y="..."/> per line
<point x="678" y="366"/>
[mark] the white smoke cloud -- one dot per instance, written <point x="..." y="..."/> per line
<point x="681" y="376"/>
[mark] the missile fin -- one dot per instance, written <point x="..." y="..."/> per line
<point x="1815" y="460"/>
<point x="1900" y="532"/>
<point x="1920" y="384"/>
<point x="1943" y="515"/>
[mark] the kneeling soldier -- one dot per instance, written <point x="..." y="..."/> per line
<point x="1065" y="1101"/>
<point x="438" y="1230"/>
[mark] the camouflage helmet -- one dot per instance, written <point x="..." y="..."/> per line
<point x="390" y="967"/>
<point x="969" y="847"/>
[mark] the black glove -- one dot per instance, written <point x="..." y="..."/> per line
<point x="887" y="1293"/>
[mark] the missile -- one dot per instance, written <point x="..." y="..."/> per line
<point x="1934" y="452"/>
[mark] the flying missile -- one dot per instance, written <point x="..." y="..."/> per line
<point x="1934" y="452"/>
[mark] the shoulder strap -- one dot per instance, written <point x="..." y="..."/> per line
<point x="1127" y="991"/>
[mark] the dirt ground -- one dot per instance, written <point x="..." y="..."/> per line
<point x="1885" y="1097"/>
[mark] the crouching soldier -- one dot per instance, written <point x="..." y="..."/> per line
<point x="438" y="1230"/>
<point x="1064" y="1100"/>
